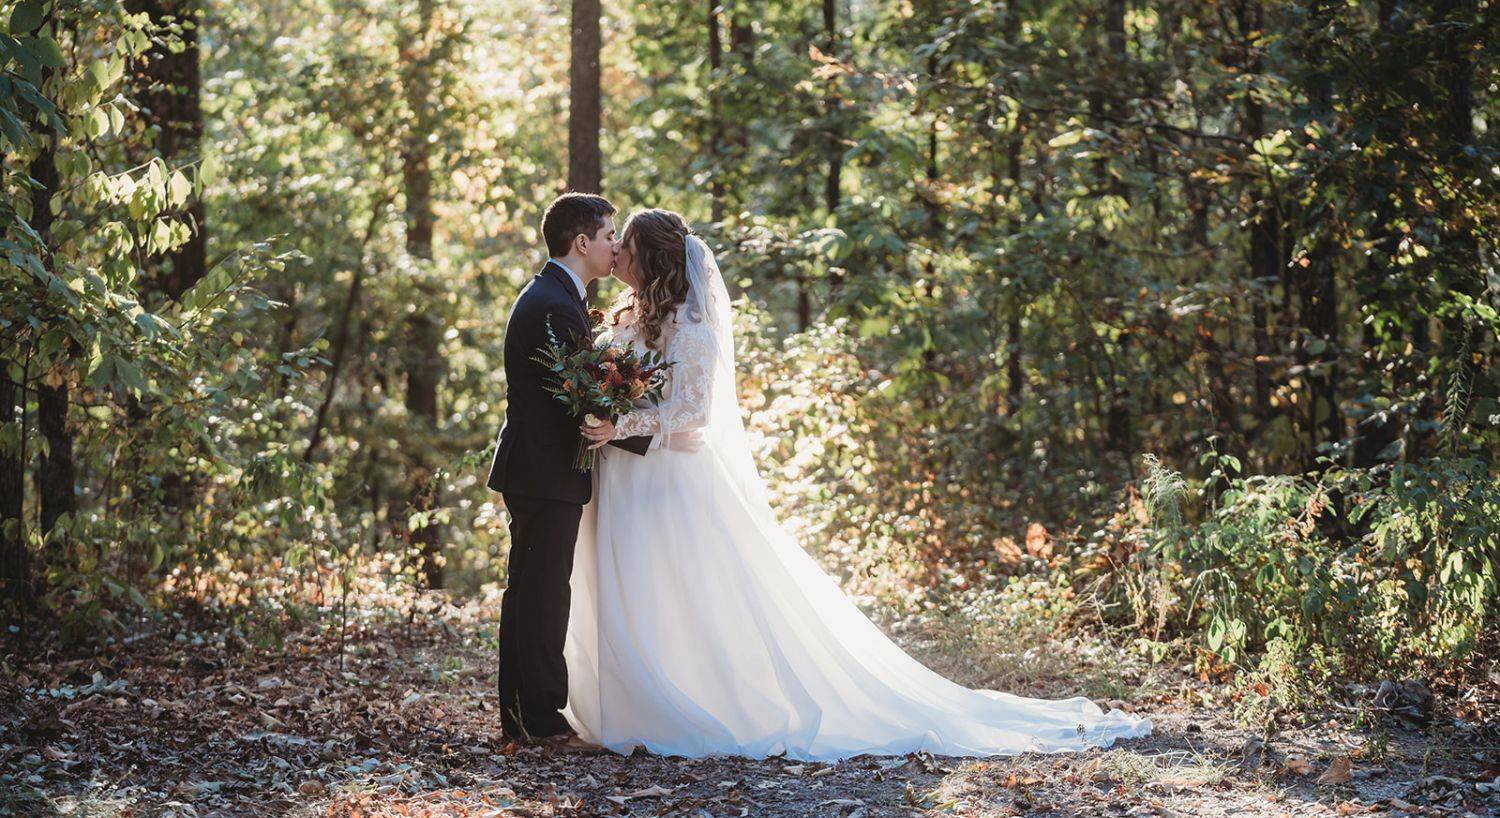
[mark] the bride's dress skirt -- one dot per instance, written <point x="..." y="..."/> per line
<point x="699" y="627"/>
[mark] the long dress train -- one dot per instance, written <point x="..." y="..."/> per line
<point x="699" y="626"/>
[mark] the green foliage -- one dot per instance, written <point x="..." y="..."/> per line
<point x="1383" y="575"/>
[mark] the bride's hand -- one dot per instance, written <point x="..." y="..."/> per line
<point x="599" y="434"/>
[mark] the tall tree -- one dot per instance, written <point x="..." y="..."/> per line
<point x="1264" y="225"/>
<point x="55" y="483"/>
<point x="715" y="113"/>
<point x="1376" y="433"/>
<point x="15" y="556"/>
<point x="1015" y="145"/>
<point x="585" y="172"/>
<point x="1314" y="274"/>
<point x="1455" y="131"/>
<point x="424" y="332"/>
<point x="170" y="89"/>
<point x="833" y="184"/>
<point x="585" y="160"/>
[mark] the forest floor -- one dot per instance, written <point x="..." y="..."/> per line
<point x="207" y="720"/>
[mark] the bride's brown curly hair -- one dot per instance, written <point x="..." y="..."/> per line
<point x="658" y="240"/>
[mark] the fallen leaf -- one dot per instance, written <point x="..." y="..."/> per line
<point x="652" y="791"/>
<point x="1338" y="772"/>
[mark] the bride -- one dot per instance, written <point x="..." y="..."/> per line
<point x="698" y="626"/>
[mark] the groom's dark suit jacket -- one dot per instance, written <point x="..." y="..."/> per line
<point x="534" y="456"/>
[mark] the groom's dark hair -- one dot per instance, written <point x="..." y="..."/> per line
<point x="571" y="214"/>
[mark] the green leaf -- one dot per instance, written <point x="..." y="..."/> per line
<point x="99" y="72"/>
<point x="26" y="17"/>
<point x="1065" y="139"/>
<point x="208" y="170"/>
<point x="179" y="188"/>
<point x="14" y="131"/>
<point x="96" y="123"/>
<point x="48" y="51"/>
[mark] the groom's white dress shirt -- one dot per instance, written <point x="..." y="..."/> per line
<point x="577" y="282"/>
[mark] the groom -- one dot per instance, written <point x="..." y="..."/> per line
<point x="533" y="471"/>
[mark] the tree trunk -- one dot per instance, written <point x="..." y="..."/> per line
<point x="584" y="161"/>
<point x="737" y="136"/>
<point x="833" y="181"/>
<point x="833" y="184"/>
<point x="1378" y="431"/>
<point x="1464" y="269"/>
<point x="55" y="469"/>
<point x="1015" y="149"/>
<point x="1317" y="291"/>
<point x="1100" y="104"/>
<point x="55" y="476"/>
<point x="424" y="362"/>
<point x="1264" y="255"/>
<point x="15" y="558"/>
<point x="742" y="46"/>
<point x="1015" y="380"/>
<point x="929" y="201"/>
<point x="170" y="88"/>
<point x="1119" y="422"/>
<point x="715" y="113"/>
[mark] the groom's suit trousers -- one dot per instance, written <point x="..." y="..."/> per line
<point x="534" y="615"/>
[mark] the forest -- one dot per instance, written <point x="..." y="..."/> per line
<point x="1138" y="349"/>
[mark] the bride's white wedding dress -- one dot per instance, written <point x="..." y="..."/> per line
<point x="699" y="627"/>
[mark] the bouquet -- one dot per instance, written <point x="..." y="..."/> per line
<point x="597" y="378"/>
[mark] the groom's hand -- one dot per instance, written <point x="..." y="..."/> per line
<point x="599" y="434"/>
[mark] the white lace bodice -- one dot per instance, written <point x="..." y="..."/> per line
<point x="685" y="402"/>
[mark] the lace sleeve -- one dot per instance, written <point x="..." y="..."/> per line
<point x="686" y="403"/>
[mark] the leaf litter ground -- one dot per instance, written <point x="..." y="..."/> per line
<point x="190" y="719"/>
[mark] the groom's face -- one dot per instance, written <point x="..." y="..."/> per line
<point x="599" y="250"/>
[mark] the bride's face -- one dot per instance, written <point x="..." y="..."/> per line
<point x="625" y="268"/>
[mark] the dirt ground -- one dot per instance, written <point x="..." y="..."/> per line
<point x="400" y="720"/>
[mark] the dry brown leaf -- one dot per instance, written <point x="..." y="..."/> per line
<point x="1007" y="553"/>
<point x="653" y="791"/>
<point x="1338" y="772"/>
<point x="1038" y="544"/>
